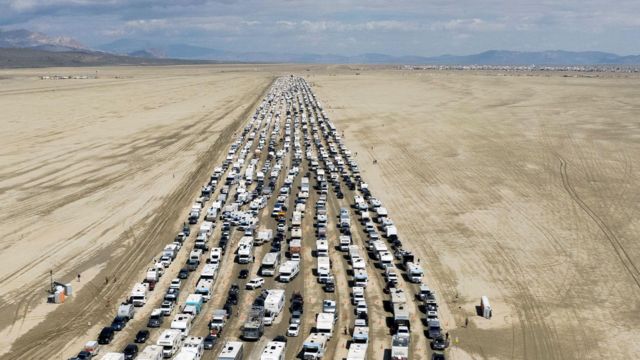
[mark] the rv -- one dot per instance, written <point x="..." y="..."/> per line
<point x="254" y="326"/>
<point x="209" y="271"/>
<point x="324" y="268"/>
<point x="263" y="236"/>
<point x="289" y="270"/>
<point x="400" y="345"/>
<point x="275" y="350"/>
<point x="171" y="342"/>
<point x="245" y="250"/>
<point x="270" y="263"/>
<point x="151" y="352"/>
<point x="414" y="272"/>
<point x="400" y="315"/>
<point x="386" y="260"/>
<point x="304" y="184"/>
<point x="232" y="350"/>
<point x="398" y="296"/>
<point x="211" y="215"/>
<point x="216" y="255"/>
<point x="296" y="219"/>
<point x="182" y="323"/>
<point x="138" y="295"/>
<point x="357" y="352"/>
<point x="194" y="301"/>
<point x="360" y="277"/>
<point x="324" y="323"/>
<point x="192" y="345"/>
<point x="345" y="242"/>
<point x="203" y="287"/>
<point x="296" y="233"/>
<point x="322" y="248"/>
<point x="273" y="305"/>
<point x="314" y="347"/>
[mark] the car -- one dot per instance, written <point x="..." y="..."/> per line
<point x="210" y="342"/>
<point x="255" y="283"/>
<point x="130" y="351"/>
<point x="361" y="307"/>
<point x="172" y="294"/>
<point x="439" y="343"/>
<point x="280" y="338"/>
<point x="84" y="355"/>
<point x="142" y="336"/>
<point x="165" y="260"/>
<point x="437" y="356"/>
<point x="329" y="287"/>
<point x="244" y="273"/>
<point x="329" y="306"/>
<point x="176" y="283"/>
<point x="118" y="323"/>
<point x="184" y="273"/>
<point x="167" y="307"/>
<point x="296" y="317"/>
<point x="106" y="335"/>
<point x="294" y="329"/>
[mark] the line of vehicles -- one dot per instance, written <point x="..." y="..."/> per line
<point x="332" y="164"/>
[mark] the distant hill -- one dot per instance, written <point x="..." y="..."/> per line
<point x="34" y="58"/>
<point x="35" y="40"/>
<point x="491" y="57"/>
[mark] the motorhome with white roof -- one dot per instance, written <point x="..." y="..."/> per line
<point x="270" y="263"/>
<point x="314" y="346"/>
<point x="386" y="259"/>
<point x="192" y="345"/>
<point x="215" y="256"/>
<point x="274" y="350"/>
<point x="139" y="294"/>
<point x="414" y="272"/>
<point x="289" y="270"/>
<point x="357" y="352"/>
<point x="171" y="342"/>
<point x="204" y="287"/>
<point x="360" y="277"/>
<point x="232" y="350"/>
<point x="324" y="324"/>
<point x="182" y="323"/>
<point x="151" y="352"/>
<point x="322" y="248"/>
<point x="273" y="305"/>
<point x="324" y="267"/>
<point x="245" y="250"/>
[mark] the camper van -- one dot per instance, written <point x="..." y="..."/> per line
<point x="270" y="263"/>
<point x="138" y="295"/>
<point x="273" y="305"/>
<point x="232" y="350"/>
<point x="171" y="342"/>
<point x="289" y="270"/>
<point x="274" y="350"/>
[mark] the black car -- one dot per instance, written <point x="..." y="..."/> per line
<point x="436" y="356"/>
<point x="155" y="320"/>
<point x="186" y="229"/>
<point x="210" y="342"/>
<point x="329" y="287"/>
<point x="184" y="273"/>
<point x="84" y="355"/>
<point x="244" y="273"/>
<point x="130" y="352"/>
<point x="228" y="307"/>
<point x="119" y="323"/>
<point x="142" y="336"/>
<point x="106" y="336"/>
<point x="280" y="338"/>
<point x="340" y="195"/>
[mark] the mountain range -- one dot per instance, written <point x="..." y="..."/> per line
<point x="123" y="48"/>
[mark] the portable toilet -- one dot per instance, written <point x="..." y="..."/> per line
<point x="485" y="307"/>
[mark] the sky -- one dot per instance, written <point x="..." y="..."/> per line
<point x="345" y="27"/>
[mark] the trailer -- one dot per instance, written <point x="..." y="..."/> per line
<point x="263" y="236"/>
<point x="204" y="287"/>
<point x="485" y="307"/>
<point x="193" y="345"/>
<point x="360" y="277"/>
<point x="273" y="305"/>
<point x="400" y="346"/>
<point x="323" y="267"/>
<point x="215" y="256"/>
<point x="401" y="315"/>
<point x="195" y="300"/>
<point x="295" y="246"/>
<point x="296" y="233"/>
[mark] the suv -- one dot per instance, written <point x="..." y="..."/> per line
<point x="130" y="351"/>
<point x="106" y="335"/>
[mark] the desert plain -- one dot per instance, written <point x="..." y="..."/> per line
<point x="521" y="187"/>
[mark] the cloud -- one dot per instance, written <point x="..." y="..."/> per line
<point x="474" y="24"/>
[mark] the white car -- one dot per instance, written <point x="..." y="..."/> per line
<point x="322" y="218"/>
<point x="293" y="330"/>
<point x="329" y="306"/>
<point x="361" y="308"/>
<point x="175" y="284"/>
<point x="255" y="283"/>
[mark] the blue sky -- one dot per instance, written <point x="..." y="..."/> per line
<point x="347" y="27"/>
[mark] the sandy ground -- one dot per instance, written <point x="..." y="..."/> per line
<point x="521" y="188"/>
<point x="96" y="175"/>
